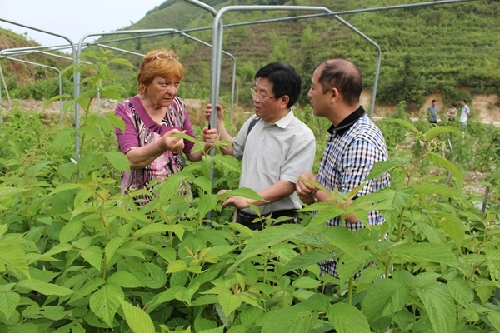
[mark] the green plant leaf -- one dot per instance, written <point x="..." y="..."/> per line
<point x="460" y="291"/>
<point x="45" y="288"/>
<point x="8" y="301"/>
<point x="419" y="252"/>
<point x="138" y="320"/>
<point x="442" y="162"/>
<point x="34" y="170"/>
<point x="125" y="279"/>
<point x="403" y="123"/>
<point x="325" y="211"/>
<point x="306" y="282"/>
<point x="294" y="319"/>
<point x="380" y="168"/>
<point x="86" y="289"/>
<point x="229" y="302"/>
<point x="93" y="255"/>
<point x="494" y="319"/>
<point x="435" y="131"/>
<point x="206" y="203"/>
<point x="453" y="226"/>
<point x="204" y="183"/>
<point x="439" y="306"/>
<point x="306" y="259"/>
<point x="111" y="247"/>
<point x="265" y="238"/>
<point x="13" y="255"/>
<point x="438" y="189"/>
<point x="385" y="298"/>
<point x="159" y="228"/>
<point x="70" y="230"/>
<point x="106" y="301"/>
<point x="118" y="160"/>
<point x="346" y="318"/>
<point x="342" y="238"/>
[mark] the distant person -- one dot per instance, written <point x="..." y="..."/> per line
<point x="452" y="112"/>
<point x="464" y="115"/>
<point x="274" y="146"/>
<point x="151" y="118"/>
<point x="433" y="112"/>
<point x="354" y="144"/>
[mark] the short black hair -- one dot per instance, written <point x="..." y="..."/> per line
<point x="434" y="101"/>
<point x="343" y="75"/>
<point x="285" y="80"/>
<point x="464" y="101"/>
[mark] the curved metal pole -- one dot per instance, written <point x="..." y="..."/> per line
<point x="379" y="58"/>
<point x="203" y="5"/>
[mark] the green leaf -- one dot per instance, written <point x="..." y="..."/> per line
<point x="306" y="282"/>
<point x="171" y="185"/>
<point x="442" y="162"/>
<point x="70" y="230"/>
<point x="494" y="319"/>
<point x="138" y="320"/>
<point x="439" y="306"/>
<point x="24" y="328"/>
<point x="346" y="318"/>
<point x="460" y="291"/>
<point x="118" y="160"/>
<point x="424" y="252"/>
<point x="111" y="247"/>
<point x="386" y="297"/>
<point x="177" y="266"/>
<point x="13" y="255"/>
<point x="306" y="259"/>
<point x="90" y="132"/>
<point x="325" y="211"/>
<point x="93" y="255"/>
<point x="116" y="121"/>
<point x="241" y="192"/>
<point x="34" y="170"/>
<point x="64" y="139"/>
<point x="206" y="203"/>
<point x="403" y="123"/>
<point x="291" y="319"/>
<point x="125" y="279"/>
<point x="435" y="131"/>
<point x="265" y="238"/>
<point x="86" y="289"/>
<point x="453" y="226"/>
<point x="85" y="163"/>
<point x="45" y="288"/>
<point x="381" y="167"/>
<point x="106" y="301"/>
<point x="159" y="228"/>
<point x="438" y="189"/>
<point x="204" y="183"/>
<point x="184" y="136"/>
<point x="229" y="302"/>
<point x="342" y="238"/>
<point x="8" y="302"/>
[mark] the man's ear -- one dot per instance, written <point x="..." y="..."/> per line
<point x="335" y="95"/>
<point x="284" y="100"/>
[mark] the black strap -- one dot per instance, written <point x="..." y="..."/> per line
<point x="252" y="124"/>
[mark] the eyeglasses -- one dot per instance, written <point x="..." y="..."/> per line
<point x="258" y="96"/>
<point x="163" y="55"/>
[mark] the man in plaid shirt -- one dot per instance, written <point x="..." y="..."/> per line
<point x="354" y="144"/>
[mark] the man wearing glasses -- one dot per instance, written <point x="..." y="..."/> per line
<point x="274" y="146"/>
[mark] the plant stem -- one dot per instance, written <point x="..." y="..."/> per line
<point x="349" y="291"/>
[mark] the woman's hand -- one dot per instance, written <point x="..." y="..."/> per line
<point x="173" y="144"/>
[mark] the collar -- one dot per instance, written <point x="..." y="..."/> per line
<point x="283" y="122"/>
<point x="348" y="121"/>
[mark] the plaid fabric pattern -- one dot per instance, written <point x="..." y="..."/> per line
<point x="348" y="158"/>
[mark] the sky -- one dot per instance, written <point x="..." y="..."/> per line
<point x="72" y="18"/>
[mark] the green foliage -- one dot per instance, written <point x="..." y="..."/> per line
<point x="76" y="255"/>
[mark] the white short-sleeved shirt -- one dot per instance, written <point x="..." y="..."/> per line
<point x="274" y="152"/>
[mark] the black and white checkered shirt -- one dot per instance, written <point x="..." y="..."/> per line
<point x="352" y="149"/>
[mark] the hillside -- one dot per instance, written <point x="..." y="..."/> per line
<point x="448" y="49"/>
